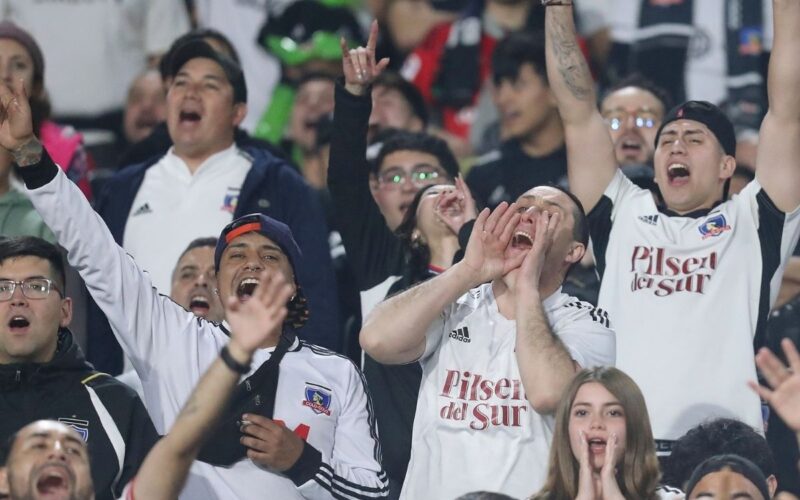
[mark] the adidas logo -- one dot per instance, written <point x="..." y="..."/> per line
<point x="649" y="219"/>
<point x="144" y="209"/>
<point x="460" y="334"/>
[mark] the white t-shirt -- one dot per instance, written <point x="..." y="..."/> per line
<point x="94" y="50"/>
<point x="174" y="206"/>
<point x="474" y="428"/>
<point x="687" y="295"/>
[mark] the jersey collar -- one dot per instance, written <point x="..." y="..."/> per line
<point x="696" y="214"/>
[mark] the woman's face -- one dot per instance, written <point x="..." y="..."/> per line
<point x="594" y="416"/>
<point x="429" y="224"/>
<point x="15" y="63"/>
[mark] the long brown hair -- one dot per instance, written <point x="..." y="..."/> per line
<point x="638" y="473"/>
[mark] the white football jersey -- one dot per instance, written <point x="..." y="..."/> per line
<point x="321" y="395"/>
<point x="688" y="294"/>
<point x="474" y="428"/>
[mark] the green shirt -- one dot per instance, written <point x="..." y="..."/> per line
<point x="19" y="218"/>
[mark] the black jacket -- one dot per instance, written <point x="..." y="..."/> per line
<point x="508" y="172"/>
<point x="106" y="413"/>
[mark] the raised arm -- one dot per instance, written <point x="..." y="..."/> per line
<point x="371" y="246"/>
<point x="164" y="471"/>
<point x="778" y="160"/>
<point x="395" y="331"/>
<point x="591" y="163"/>
<point x="545" y="365"/>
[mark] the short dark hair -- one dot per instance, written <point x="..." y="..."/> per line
<point x="515" y="50"/>
<point x="641" y="82"/>
<point x="5" y="448"/>
<point x="421" y="142"/>
<point x="580" y="230"/>
<point x="735" y="463"/>
<point x="204" y="241"/>
<point x="716" y="437"/>
<point x="484" y="495"/>
<point x="32" y="246"/>
<point x="164" y="65"/>
<point x="411" y="94"/>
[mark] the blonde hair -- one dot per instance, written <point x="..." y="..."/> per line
<point x="637" y="474"/>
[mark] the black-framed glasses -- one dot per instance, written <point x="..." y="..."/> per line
<point x="32" y="288"/>
<point x="421" y="175"/>
<point x="616" y="119"/>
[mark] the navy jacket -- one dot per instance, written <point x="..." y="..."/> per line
<point x="271" y="187"/>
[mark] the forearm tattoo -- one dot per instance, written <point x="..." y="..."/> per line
<point x="29" y="153"/>
<point x="569" y="58"/>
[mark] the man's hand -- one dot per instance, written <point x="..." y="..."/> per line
<point x="253" y="321"/>
<point x="358" y="65"/>
<point x="270" y="444"/>
<point x="485" y="256"/>
<point x="455" y="207"/>
<point x="784" y="397"/>
<point x="531" y="269"/>
<point x="16" y="125"/>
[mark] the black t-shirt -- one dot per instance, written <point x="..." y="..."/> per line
<point x="508" y="172"/>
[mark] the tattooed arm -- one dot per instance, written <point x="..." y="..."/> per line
<point x="590" y="153"/>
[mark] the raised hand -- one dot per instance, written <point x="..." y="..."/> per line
<point x="586" y="483"/>
<point x="253" y="321"/>
<point x="270" y="443"/>
<point x="608" y="474"/>
<point x="456" y="206"/>
<point x="485" y="253"/>
<point x="16" y="123"/>
<point x="359" y="66"/>
<point x="531" y="269"/>
<point x="784" y="397"/>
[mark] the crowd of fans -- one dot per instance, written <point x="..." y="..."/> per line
<point x="415" y="249"/>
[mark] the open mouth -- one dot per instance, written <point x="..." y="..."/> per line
<point x="18" y="323"/>
<point x="597" y="445"/>
<point x="189" y="117"/>
<point x="146" y="122"/>
<point x="522" y="240"/>
<point x="246" y="288"/>
<point x="677" y="172"/>
<point x="54" y="483"/>
<point x="199" y="305"/>
<point x="631" y="146"/>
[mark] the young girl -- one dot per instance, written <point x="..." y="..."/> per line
<point x="603" y="446"/>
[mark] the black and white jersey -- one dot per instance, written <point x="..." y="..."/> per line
<point x="688" y="294"/>
<point x="474" y="428"/>
<point x="321" y="395"/>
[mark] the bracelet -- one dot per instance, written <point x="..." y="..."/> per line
<point x="231" y="363"/>
<point x="550" y="3"/>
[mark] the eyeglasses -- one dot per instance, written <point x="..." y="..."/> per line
<point x="421" y="176"/>
<point x="32" y="288"/>
<point x="616" y="119"/>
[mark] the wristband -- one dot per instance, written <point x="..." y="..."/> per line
<point x="231" y="363"/>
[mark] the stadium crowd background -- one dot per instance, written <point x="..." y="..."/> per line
<point x="378" y="133"/>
